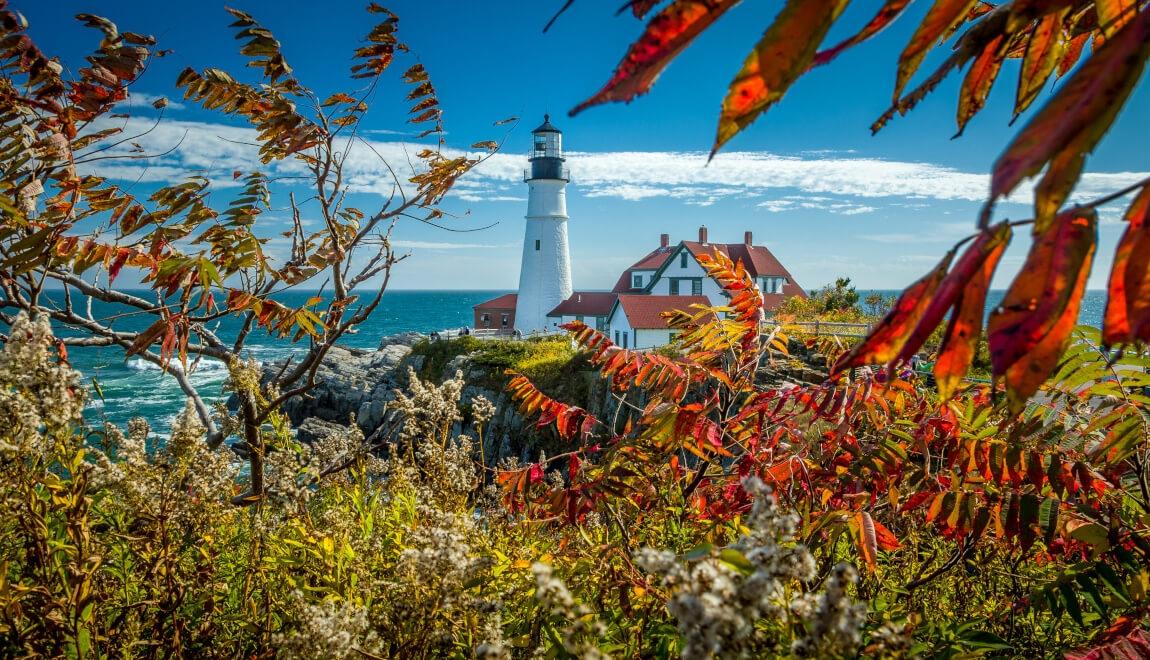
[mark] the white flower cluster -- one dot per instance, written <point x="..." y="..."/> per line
<point x="438" y="552"/>
<point x="182" y="481"/>
<point x="493" y="646"/>
<point x="38" y="391"/>
<point x="833" y="628"/>
<point x="719" y="606"/>
<point x="291" y="472"/>
<point x="482" y="410"/>
<point x="428" y="411"/>
<point x="581" y="627"/>
<point x="339" y="630"/>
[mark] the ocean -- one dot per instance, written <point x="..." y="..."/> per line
<point x="132" y="387"/>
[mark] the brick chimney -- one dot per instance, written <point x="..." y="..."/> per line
<point x="664" y="240"/>
<point x="748" y="238"/>
<point x="703" y="234"/>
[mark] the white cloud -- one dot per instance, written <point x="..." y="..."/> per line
<point x="815" y="202"/>
<point x="140" y="99"/>
<point x="835" y="182"/>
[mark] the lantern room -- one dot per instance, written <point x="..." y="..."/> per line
<point x="546" y="153"/>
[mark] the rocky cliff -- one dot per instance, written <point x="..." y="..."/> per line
<point x="359" y="385"/>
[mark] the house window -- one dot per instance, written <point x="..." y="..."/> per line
<point x="773" y="284"/>
<point x="636" y="281"/>
<point x="579" y="318"/>
<point x="486" y="319"/>
<point x="506" y="319"/>
<point x="683" y="259"/>
<point x="674" y="286"/>
<point x="616" y="337"/>
<point x="601" y="323"/>
<point x="537" y="245"/>
<point x="697" y="287"/>
<point x="625" y="340"/>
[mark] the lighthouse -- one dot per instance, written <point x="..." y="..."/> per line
<point x="545" y="271"/>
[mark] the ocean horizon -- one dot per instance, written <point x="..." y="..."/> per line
<point x="133" y="387"/>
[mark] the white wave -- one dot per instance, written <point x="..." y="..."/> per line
<point x="140" y="364"/>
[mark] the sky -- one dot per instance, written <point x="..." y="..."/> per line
<point x="807" y="178"/>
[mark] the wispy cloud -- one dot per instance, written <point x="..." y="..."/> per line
<point x="140" y="99"/>
<point x="816" y="202"/>
<point x="834" y="182"/>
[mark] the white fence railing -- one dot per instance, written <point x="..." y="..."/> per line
<point x="828" y="328"/>
<point x="496" y="333"/>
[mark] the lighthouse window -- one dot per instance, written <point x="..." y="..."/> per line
<point x="537" y="245"/>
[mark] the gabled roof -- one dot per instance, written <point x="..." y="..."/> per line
<point x="646" y="312"/>
<point x="586" y="303"/>
<point x="506" y="301"/>
<point x="757" y="259"/>
<point x="653" y="261"/>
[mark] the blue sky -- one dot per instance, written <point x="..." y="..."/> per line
<point x="807" y="178"/>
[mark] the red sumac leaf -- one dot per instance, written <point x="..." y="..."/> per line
<point x="888" y="337"/>
<point x="940" y="18"/>
<point x="1042" y="54"/>
<point x="1127" y="316"/>
<point x="1030" y="329"/>
<point x="785" y="52"/>
<point x="979" y="79"/>
<point x="969" y="282"/>
<point x="885" y="16"/>
<point x="1077" y="116"/>
<point x="668" y="33"/>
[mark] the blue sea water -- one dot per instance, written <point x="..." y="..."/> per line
<point x="132" y="387"/>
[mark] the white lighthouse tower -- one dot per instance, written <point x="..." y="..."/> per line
<point x="545" y="273"/>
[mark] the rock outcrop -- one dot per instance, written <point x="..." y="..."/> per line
<point x="359" y="385"/>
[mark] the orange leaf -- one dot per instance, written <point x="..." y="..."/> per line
<point x="1043" y="51"/>
<point x="867" y="543"/>
<point x="1113" y="15"/>
<point x="668" y="33"/>
<point x="885" y="16"/>
<point x="1079" y="113"/>
<point x="147" y="337"/>
<point x="785" y="52"/>
<point x="972" y="276"/>
<point x="1031" y="327"/>
<point x="942" y="16"/>
<point x="888" y="337"/>
<point x="1127" y="315"/>
<point x="979" y="79"/>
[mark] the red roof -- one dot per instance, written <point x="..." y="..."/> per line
<point x="645" y="312"/>
<point x="652" y="261"/>
<point x="758" y="261"/>
<point x="506" y="301"/>
<point x="586" y="303"/>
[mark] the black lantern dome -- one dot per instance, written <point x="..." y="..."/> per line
<point x="547" y="153"/>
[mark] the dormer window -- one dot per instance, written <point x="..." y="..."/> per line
<point x="773" y="284"/>
<point x="636" y="281"/>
